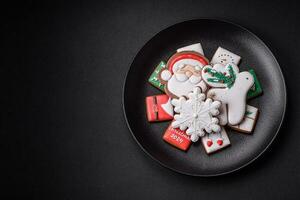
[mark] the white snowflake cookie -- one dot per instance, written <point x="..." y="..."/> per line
<point x="196" y="114"/>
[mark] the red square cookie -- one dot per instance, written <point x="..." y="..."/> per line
<point x="177" y="138"/>
<point x="155" y="110"/>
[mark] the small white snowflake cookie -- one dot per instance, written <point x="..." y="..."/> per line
<point x="196" y="114"/>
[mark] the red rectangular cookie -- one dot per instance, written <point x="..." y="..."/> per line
<point x="155" y="112"/>
<point x="177" y="138"/>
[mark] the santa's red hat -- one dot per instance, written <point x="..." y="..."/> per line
<point x="180" y="59"/>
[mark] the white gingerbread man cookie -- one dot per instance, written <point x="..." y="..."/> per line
<point x="234" y="96"/>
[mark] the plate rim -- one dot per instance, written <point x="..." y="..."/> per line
<point x="214" y="174"/>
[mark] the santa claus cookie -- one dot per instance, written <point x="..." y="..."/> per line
<point x="183" y="73"/>
<point x="233" y="94"/>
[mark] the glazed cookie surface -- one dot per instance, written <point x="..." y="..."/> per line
<point x="256" y="89"/>
<point x="183" y="73"/>
<point x="234" y="97"/>
<point x="213" y="142"/>
<point x="159" y="108"/>
<point x="154" y="79"/>
<point x="196" y="114"/>
<point x="220" y="75"/>
<point x="223" y="56"/>
<point x="193" y="47"/>
<point x="177" y="138"/>
<point x="249" y="121"/>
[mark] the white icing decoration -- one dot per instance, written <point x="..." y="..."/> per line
<point x="168" y="108"/>
<point x="195" y="79"/>
<point x="218" y="68"/>
<point x="198" y="68"/>
<point x="181" y="65"/>
<point x="248" y="123"/>
<point x="210" y="141"/>
<point x="182" y="82"/>
<point x="224" y="57"/>
<point x="234" y="97"/>
<point x="196" y="114"/>
<point x="165" y="75"/>
<point x="223" y="115"/>
<point x="202" y="85"/>
<point x="194" y="47"/>
<point x="181" y="77"/>
<point x="183" y="88"/>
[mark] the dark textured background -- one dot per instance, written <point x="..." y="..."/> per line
<point x="63" y="134"/>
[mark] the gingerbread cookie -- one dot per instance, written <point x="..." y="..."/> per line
<point x="159" y="108"/>
<point x="256" y="89"/>
<point x="249" y="121"/>
<point x="183" y="74"/>
<point x="234" y="97"/>
<point x="154" y="80"/>
<point x="177" y="138"/>
<point x="223" y="77"/>
<point x="196" y="114"/>
<point x="213" y="142"/>
<point x="194" y="47"/>
<point x="223" y="56"/>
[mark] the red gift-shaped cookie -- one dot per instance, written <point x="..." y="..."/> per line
<point x="159" y="108"/>
<point x="177" y="138"/>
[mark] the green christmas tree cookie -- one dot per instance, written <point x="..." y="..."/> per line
<point x="154" y="80"/>
<point x="256" y="89"/>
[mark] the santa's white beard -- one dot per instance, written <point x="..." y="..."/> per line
<point x="182" y="88"/>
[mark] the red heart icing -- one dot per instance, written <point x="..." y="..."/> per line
<point x="209" y="143"/>
<point x="220" y="142"/>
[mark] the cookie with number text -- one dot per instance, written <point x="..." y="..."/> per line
<point x="177" y="138"/>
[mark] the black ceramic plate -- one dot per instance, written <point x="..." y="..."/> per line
<point x="211" y="33"/>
